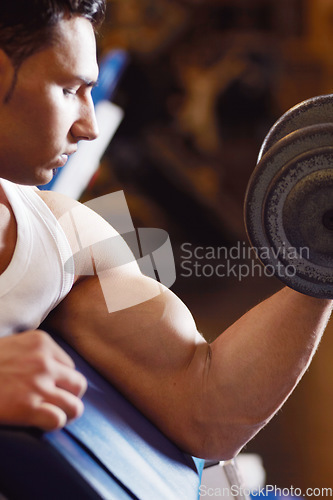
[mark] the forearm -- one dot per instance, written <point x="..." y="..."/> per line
<point x="257" y="362"/>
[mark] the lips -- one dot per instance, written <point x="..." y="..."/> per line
<point x="62" y="160"/>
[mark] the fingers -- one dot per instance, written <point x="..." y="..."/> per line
<point x="45" y="343"/>
<point x="39" y="385"/>
<point x="48" y="417"/>
<point x="51" y="407"/>
<point x="71" y="380"/>
<point x="61" y="391"/>
<point x="69" y="404"/>
<point x="54" y="410"/>
<point x="61" y="367"/>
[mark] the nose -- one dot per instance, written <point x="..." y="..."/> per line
<point x="85" y="127"/>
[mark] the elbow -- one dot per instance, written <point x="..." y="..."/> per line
<point x="220" y="423"/>
<point x="211" y="444"/>
<point x="215" y="451"/>
<point x="212" y="422"/>
<point x="219" y="440"/>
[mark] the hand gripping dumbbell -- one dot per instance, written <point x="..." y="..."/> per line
<point x="289" y="198"/>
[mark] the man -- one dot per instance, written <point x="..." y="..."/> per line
<point x="209" y="399"/>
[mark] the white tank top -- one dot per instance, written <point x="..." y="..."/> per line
<point x="35" y="280"/>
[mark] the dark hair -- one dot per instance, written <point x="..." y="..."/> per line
<point x="27" y="26"/>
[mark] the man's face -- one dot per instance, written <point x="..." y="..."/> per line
<point x="51" y="108"/>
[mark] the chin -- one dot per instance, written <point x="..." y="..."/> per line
<point x="43" y="177"/>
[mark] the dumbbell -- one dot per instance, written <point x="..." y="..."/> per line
<point x="289" y="199"/>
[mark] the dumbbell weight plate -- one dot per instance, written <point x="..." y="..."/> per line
<point x="280" y="154"/>
<point x="314" y="111"/>
<point x="294" y="210"/>
<point x="292" y="171"/>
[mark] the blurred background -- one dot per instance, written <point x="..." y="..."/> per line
<point x="204" y="82"/>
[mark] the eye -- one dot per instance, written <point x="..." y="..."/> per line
<point x="69" y="92"/>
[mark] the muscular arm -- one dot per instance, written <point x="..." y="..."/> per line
<point x="209" y="399"/>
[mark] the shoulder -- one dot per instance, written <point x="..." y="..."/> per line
<point x="91" y="237"/>
<point x="59" y="204"/>
<point x="73" y="215"/>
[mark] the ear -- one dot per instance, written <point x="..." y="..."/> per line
<point x="7" y="73"/>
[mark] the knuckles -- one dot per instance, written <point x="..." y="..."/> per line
<point x="80" y="385"/>
<point x="41" y="364"/>
<point x="47" y="390"/>
<point x="39" y="341"/>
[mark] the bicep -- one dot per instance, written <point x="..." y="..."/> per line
<point x="138" y="320"/>
<point x="150" y="351"/>
<point x="113" y="301"/>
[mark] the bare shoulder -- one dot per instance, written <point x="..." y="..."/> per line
<point x="58" y="203"/>
<point x="90" y="236"/>
<point x="73" y="215"/>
